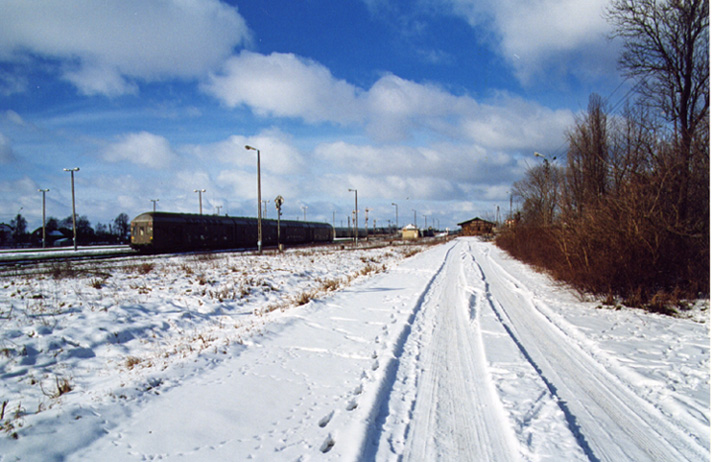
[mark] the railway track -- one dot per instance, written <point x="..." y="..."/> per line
<point x="90" y="260"/>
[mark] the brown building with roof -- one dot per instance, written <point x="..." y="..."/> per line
<point x="476" y="227"/>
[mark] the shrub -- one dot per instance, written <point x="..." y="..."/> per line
<point x="145" y="268"/>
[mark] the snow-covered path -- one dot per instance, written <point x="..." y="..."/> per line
<point x="610" y="421"/>
<point x="475" y="318"/>
<point x="443" y="394"/>
<point x="457" y="353"/>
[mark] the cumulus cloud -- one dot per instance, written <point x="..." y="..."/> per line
<point x="538" y="37"/>
<point x="102" y="46"/>
<point x="141" y="148"/>
<point x="510" y="123"/>
<point x="397" y="106"/>
<point x="285" y="85"/>
<point x="448" y="161"/>
<point x="393" y="109"/>
<point x="278" y="155"/>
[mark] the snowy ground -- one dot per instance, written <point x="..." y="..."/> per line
<point x="456" y="353"/>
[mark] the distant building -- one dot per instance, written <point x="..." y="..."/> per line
<point x="410" y="232"/>
<point x="476" y="227"/>
<point x="51" y="236"/>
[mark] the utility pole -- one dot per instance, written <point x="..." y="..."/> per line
<point x="44" y="231"/>
<point x="396" y="206"/>
<point x="355" y="213"/>
<point x="74" y="210"/>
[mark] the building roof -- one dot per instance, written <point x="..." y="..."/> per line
<point x="473" y="220"/>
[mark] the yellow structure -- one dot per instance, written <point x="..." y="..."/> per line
<point x="410" y="232"/>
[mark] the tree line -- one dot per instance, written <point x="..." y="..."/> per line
<point x="116" y="231"/>
<point x="627" y="213"/>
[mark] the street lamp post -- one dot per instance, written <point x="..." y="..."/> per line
<point x="44" y="231"/>
<point x="200" y="199"/>
<point x="74" y="210"/>
<point x="304" y="209"/>
<point x="355" y="191"/>
<point x="259" y="200"/>
<point x="154" y="204"/>
<point x="396" y="206"/>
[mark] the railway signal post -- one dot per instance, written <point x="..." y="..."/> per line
<point x="278" y="201"/>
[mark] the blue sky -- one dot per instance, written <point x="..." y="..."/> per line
<point x="436" y="105"/>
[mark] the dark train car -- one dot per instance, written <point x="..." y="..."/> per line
<point x="166" y="231"/>
<point x="342" y="232"/>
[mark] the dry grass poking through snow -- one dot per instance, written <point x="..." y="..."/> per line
<point x="63" y="331"/>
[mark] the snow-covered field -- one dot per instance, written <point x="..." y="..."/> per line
<point x="454" y="353"/>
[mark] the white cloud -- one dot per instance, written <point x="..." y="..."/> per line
<point x="442" y="171"/>
<point x="543" y="36"/>
<point x="11" y="83"/>
<point x="100" y="79"/>
<point x="514" y="124"/>
<point x="15" y="118"/>
<point x="6" y="153"/>
<point x="141" y="148"/>
<point x="393" y="109"/>
<point x="101" y="46"/>
<point x="277" y="153"/>
<point x="398" y="106"/>
<point x="285" y="85"/>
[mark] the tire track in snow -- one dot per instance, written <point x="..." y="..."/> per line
<point x="380" y="411"/>
<point x="457" y="413"/>
<point x="439" y="402"/>
<point x="610" y="422"/>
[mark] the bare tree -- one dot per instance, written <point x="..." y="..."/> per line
<point x="667" y="51"/>
<point x="539" y="190"/>
<point x="122" y="225"/>
<point x="19" y="228"/>
<point x="587" y="175"/>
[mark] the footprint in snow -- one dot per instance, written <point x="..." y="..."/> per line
<point x="327" y="444"/>
<point x="324" y="421"/>
<point x="353" y="404"/>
